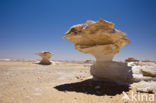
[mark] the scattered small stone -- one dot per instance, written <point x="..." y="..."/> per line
<point x="28" y="97"/>
<point x="74" y="101"/>
<point x="145" y="90"/>
<point x="39" y="78"/>
<point x="37" y="89"/>
<point x="77" y="77"/>
<point x="37" y="94"/>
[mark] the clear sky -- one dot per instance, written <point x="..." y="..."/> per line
<point x="30" y="26"/>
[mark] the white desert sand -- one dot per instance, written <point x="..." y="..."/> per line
<point x="65" y="82"/>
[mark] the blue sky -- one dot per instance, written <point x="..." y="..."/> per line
<point x="30" y="26"/>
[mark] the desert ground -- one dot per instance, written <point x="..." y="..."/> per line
<point x="27" y="81"/>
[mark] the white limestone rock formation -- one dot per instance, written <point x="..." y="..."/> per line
<point x="103" y="41"/>
<point x="143" y="71"/>
<point x="151" y="71"/>
<point x="45" y="57"/>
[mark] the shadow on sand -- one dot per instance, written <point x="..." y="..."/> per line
<point x="94" y="87"/>
<point x="42" y="63"/>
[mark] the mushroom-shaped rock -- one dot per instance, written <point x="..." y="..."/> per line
<point x="103" y="41"/>
<point x="45" y="57"/>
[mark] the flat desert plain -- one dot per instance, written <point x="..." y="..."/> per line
<point x="61" y="82"/>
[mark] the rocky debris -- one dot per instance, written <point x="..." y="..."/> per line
<point x="143" y="71"/>
<point x="80" y="77"/>
<point x="45" y="57"/>
<point x="145" y="90"/>
<point x="150" y="71"/>
<point x="103" y="41"/>
<point x="131" y="59"/>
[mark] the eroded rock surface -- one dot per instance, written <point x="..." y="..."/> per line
<point x="149" y="70"/>
<point x="45" y="57"/>
<point x="145" y="90"/>
<point x="143" y="71"/>
<point x="103" y="41"/>
<point x="131" y="59"/>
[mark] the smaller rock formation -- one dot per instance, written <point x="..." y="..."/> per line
<point x="131" y="59"/>
<point x="45" y="57"/>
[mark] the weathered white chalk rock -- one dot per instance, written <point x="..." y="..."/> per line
<point x="45" y="57"/>
<point x="143" y="71"/>
<point x="103" y="41"/>
<point x="145" y="90"/>
<point x="150" y="71"/>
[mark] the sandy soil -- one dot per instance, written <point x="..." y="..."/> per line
<point x="61" y="82"/>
